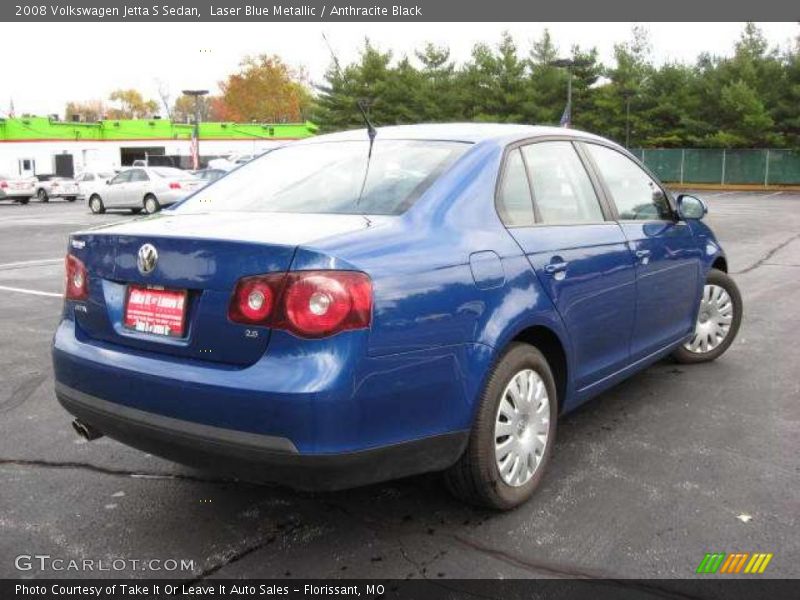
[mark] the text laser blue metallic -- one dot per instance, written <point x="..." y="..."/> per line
<point x="342" y="310"/>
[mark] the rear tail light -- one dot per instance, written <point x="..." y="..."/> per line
<point x="3" y="184"/>
<point x="174" y="185"/>
<point x="310" y="304"/>
<point x="77" y="279"/>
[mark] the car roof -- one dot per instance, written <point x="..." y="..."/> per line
<point x="458" y="132"/>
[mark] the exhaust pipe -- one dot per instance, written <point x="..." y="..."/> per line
<point x="86" y="431"/>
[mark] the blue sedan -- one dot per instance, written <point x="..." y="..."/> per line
<point x="344" y="310"/>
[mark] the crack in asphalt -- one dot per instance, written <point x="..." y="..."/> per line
<point x="767" y="256"/>
<point x="47" y="464"/>
<point x="22" y="392"/>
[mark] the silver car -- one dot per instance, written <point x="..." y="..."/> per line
<point x="144" y="188"/>
<point x="17" y="189"/>
<point x="55" y="186"/>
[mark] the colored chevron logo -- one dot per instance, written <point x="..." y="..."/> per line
<point x="734" y="563"/>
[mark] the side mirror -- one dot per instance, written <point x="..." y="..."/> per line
<point x="690" y="207"/>
<point x="108" y="182"/>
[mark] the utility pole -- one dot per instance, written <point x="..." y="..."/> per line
<point x="568" y="64"/>
<point x="196" y="132"/>
<point x="628" y="93"/>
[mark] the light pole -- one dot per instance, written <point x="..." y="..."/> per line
<point x="628" y="93"/>
<point x="569" y="64"/>
<point x="196" y="133"/>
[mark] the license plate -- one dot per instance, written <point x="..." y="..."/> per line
<point x="157" y="311"/>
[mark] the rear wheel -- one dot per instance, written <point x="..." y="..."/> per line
<point x="718" y="320"/>
<point x="96" y="205"/>
<point x="512" y="438"/>
<point x="151" y="204"/>
<point x="42" y="196"/>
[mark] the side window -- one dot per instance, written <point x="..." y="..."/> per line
<point x="139" y="175"/>
<point x="514" y="201"/>
<point x="636" y="195"/>
<point x="122" y="177"/>
<point x="88" y="177"/>
<point x="562" y="190"/>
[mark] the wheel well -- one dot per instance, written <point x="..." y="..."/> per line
<point x="721" y="264"/>
<point x="548" y="344"/>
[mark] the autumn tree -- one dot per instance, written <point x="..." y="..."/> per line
<point x="88" y="111"/>
<point x="264" y="89"/>
<point x="131" y="105"/>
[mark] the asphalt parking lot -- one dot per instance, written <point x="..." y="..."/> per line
<point x="676" y="462"/>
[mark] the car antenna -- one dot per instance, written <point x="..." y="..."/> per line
<point x="371" y="131"/>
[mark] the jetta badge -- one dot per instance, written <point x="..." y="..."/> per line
<point x="147" y="259"/>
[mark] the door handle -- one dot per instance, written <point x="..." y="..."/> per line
<point x="556" y="267"/>
<point x="642" y="253"/>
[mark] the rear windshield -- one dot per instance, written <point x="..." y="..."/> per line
<point x="171" y="172"/>
<point x="331" y="177"/>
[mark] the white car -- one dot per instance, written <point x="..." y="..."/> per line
<point x="144" y="188"/>
<point x="55" y="186"/>
<point x="230" y="162"/>
<point x="17" y="189"/>
<point x="90" y="182"/>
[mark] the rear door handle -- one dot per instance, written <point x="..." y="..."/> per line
<point x="555" y="267"/>
<point x="642" y="253"/>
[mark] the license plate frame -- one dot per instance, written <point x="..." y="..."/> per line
<point x="154" y="315"/>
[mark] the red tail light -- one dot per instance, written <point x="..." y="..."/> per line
<point x="310" y="304"/>
<point x="3" y="184"/>
<point x="174" y="185"/>
<point x="77" y="279"/>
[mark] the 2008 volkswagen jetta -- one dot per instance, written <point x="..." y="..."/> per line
<point x="342" y="311"/>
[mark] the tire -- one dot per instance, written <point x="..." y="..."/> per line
<point x="477" y="478"/>
<point x="42" y="195"/>
<point x="151" y="205"/>
<point x="717" y="309"/>
<point x="96" y="204"/>
<point x="71" y="198"/>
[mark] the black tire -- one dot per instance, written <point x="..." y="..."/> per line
<point x="475" y="478"/>
<point x="96" y="204"/>
<point x="71" y="198"/>
<point x="723" y="280"/>
<point x="41" y="194"/>
<point x="150" y="204"/>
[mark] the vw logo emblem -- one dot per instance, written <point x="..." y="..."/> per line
<point x="147" y="259"/>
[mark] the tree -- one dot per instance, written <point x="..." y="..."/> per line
<point x="88" y="111"/>
<point x="264" y="89"/>
<point x="209" y="108"/>
<point x="132" y="105"/>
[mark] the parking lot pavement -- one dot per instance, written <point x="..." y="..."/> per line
<point x="676" y="462"/>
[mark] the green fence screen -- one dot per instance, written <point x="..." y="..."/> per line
<point x="723" y="166"/>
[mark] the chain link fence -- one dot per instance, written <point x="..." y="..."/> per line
<point x="761" y="167"/>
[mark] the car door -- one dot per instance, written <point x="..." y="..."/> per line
<point x="113" y="194"/>
<point x="667" y="254"/>
<point x="138" y="187"/>
<point x="577" y="250"/>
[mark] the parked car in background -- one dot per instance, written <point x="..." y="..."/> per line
<point x="336" y="313"/>
<point x="17" y="189"/>
<point x="230" y="162"/>
<point x="209" y="175"/>
<point x="144" y="188"/>
<point x="90" y="182"/>
<point x="55" y="186"/>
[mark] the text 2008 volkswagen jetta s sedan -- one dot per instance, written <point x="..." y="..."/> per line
<point x="340" y="311"/>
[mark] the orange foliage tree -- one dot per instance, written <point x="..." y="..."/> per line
<point x="265" y="89"/>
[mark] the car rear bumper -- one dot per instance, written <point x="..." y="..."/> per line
<point x="261" y="458"/>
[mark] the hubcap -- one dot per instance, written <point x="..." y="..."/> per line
<point x="713" y="320"/>
<point x="521" y="426"/>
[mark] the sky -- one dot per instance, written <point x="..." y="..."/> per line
<point x="86" y="61"/>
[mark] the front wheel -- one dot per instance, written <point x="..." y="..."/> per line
<point x="718" y="320"/>
<point x="42" y="196"/>
<point x="151" y="205"/>
<point x="513" y="435"/>
<point x="96" y="205"/>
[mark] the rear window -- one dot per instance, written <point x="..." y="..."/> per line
<point x="331" y="177"/>
<point x="170" y="172"/>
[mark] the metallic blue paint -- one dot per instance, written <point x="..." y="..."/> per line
<point x="452" y="288"/>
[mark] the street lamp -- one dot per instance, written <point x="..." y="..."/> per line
<point x="628" y="93"/>
<point x="196" y="133"/>
<point x="569" y="64"/>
